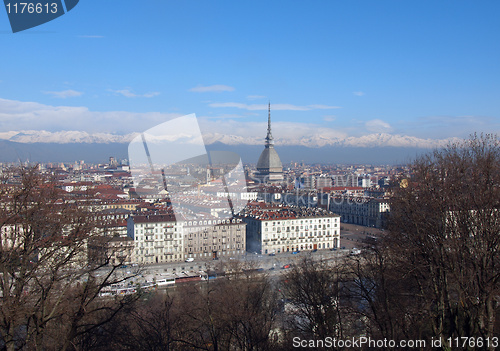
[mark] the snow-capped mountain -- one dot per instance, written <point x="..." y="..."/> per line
<point x="314" y="141"/>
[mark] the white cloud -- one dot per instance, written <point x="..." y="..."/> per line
<point x="378" y="126"/>
<point x="322" y="107"/>
<point x="329" y="118"/>
<point x="448" y="126"/>
<point x="19" y="115"/>
<point x="64" y="94"/>
<point x="255" y="97"/>
<point x="224" y="116"/>
<point x="276" y="107"/>
<point x="211" y="88"/>
<point x="129" y="94"/>
<point x="152" y="94"/>
<point x="358" y="93"/>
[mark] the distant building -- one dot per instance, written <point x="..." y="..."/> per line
<point x="365" y="182"/>
<point x="113" y="250"/>
<point x="269" y="167"/>
<point x="227" y="238"/>
<point x="278" y="228"/>
<point x="302" y="197"/>
<point x="160" y="238"/>
<point x="157" y="238"/>
<point x="345" y="180"/>
<point x="314" y="181"/>
<point x="361" y="210"/>
<point x="124" y="204"/>
<point x="323" y="181"/>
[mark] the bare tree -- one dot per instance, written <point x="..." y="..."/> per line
<point x="153" y="323"/>
<point x="48" y="281"/>
<point x="444" y="230"/>
<point x="383" y="299"/>
<point x="312" y="292"/>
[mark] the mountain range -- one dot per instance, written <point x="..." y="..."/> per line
<point x="100" y="152"/>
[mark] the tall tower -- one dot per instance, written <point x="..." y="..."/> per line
<point x="269" y="167"/>
<point x="269" y="137"/>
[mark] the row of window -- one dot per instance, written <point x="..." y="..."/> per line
<point x="302" y="221"/>
<point x="195" y="223"/>
<point x="153" y="251"/>
<point x="297" y="228"/>
<point x="277" y="236"/>
<point x="299" y="247"/>
<point x="222" y="253"/>
<point x="159" y="237"/>
<point x="215" y="247"/>
<point x="151" y="243"/>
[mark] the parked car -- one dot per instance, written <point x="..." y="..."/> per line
<point x="189" y="259"/>
<point x="355" y="251"/>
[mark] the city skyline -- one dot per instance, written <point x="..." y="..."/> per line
<point x="337" y="74"/>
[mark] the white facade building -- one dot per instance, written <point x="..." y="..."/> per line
<point x="245" y="196"/>
<point x="276" y="229"/>
<point x="157" y="238"/>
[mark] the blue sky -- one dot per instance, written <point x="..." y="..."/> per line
<point x="416" y="70"/>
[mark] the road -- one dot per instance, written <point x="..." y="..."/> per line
<point x="350" y="236"/>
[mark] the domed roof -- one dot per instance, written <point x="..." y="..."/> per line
<point x="269" y="167"/>
<point x="269" y="161"/>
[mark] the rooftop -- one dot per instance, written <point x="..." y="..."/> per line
<point x="264" y="211"/>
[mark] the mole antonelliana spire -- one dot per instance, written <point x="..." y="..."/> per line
<point x="269" y="167"/>
<point x="269" y="137"/>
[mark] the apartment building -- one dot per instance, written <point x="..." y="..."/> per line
<point x="370" y="212"/>
<point x="158" y="238"/>
<point x="214" y="238"/>
<point x="279" y="228"/>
